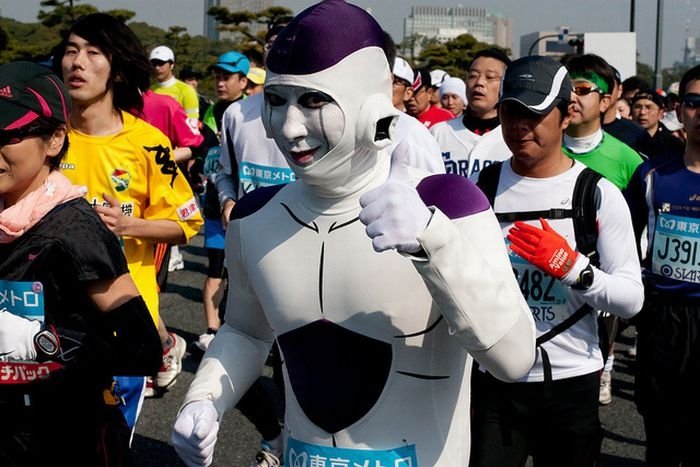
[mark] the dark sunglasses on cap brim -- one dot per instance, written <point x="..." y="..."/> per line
<point x="20" y="134"/>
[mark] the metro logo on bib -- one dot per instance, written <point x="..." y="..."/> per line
<point x="24" y="299"/>
<point x="676" y="244"/>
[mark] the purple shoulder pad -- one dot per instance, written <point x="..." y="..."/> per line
<point x="254" y="201"/>
<point x="321" y="36"/>
<point x="454" y="195"/>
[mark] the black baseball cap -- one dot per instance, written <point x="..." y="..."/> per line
<point x="188" y="73"/>
<point x="537" y="83"/>
<point x="651" y="95"/>
<point x="28" y="92"/>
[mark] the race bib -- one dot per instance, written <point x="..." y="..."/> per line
<point x="254" y="176"/>
<point x="300" y="454"/>
<point x="23" y="298"/>
<point x="675" y="252"/>
<point x="545" y="295"/>
<point x="211" y="162"/>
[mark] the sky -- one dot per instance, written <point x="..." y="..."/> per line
<point x="681" y="18"/>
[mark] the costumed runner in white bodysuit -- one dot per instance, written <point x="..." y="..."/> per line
<point x="377" y="333"/>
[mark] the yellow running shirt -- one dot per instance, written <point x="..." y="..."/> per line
<point x="181" y="92"/>
<point x="135" y="166"/>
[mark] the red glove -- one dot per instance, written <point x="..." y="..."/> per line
<point x="544" y="248"/>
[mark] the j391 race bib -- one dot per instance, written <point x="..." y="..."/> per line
<point x="675" y="248"/>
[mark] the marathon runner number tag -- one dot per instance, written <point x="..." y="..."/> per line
<point x="545" y="295"/>
<point x="300" y="454"/>
<point x="676" y="252"/>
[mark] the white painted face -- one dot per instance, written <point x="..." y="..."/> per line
<point x="309" y="122"/>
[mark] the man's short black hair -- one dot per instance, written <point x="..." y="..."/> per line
<point x="690" y="75"/>
<point x="580" y="64"/>
<point x="634" y="82"/>
<point x="498" y="54"/>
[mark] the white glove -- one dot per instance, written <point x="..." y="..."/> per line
<point x="195" y="432"/>
<point x="393" y="212"/>
<point x="17" y="337"/>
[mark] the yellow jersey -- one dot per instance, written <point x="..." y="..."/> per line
<point x="137" y="167"/>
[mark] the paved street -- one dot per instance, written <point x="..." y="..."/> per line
<point x="182" y="311"/>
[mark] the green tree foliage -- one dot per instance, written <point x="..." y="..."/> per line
<point x="4" y="39"/>
<point x="645" y="72"/>
<point x="673" y="74"/>
<point x="453" y="56"/>
<point x="241" y="21"/>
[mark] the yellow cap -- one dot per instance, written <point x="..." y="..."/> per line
<point x="256" y="75"/>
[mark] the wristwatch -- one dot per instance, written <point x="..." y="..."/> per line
<point x="585" y="279"/>
<point x="47" y="345"/>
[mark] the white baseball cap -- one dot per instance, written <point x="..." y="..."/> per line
<point x="162" y="53"/>
<point x="403" y="70"/>
<point x="437" y="77"/>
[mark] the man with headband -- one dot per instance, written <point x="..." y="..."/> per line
<point x="377" y="334"/>
<point x="592" y="80"/>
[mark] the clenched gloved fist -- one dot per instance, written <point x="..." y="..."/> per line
<point x="393" y="213"/>
<point x="17" y="337"/>
<point x="195" y="432"/>
<point x="544" y="248"/>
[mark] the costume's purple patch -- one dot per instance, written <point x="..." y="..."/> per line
<point x="337" y="375"/>
<point x="253" y="201"/>
<point x="454" y="195"/>
<point x="321" y="36"/>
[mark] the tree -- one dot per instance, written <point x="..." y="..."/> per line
<point x="63" y="12"/>
<point x="240" y="21"/>
<point x="453" y="56"/>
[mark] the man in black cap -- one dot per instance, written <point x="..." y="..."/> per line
<point x="648" y="110"/>
<point x="552" y="411"/>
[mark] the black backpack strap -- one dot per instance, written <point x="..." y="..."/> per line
<point x="554" y="213"/>
<point x="555" y="331"/>
<point x="488" y="180"/>
<point x="584" y="214"/>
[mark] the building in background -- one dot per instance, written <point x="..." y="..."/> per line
<point x="211" y="27"/>
<point x="691" y="52"/>
<point x="445" y="23"/>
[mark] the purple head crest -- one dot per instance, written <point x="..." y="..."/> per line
<point x="321" y="36"/>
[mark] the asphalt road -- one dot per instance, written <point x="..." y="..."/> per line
<point x="182" y="311"/>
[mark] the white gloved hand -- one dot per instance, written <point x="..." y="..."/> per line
<point x="17" y="337"/>
<point x="393" y="213"/>
<point x="195" y="432"/>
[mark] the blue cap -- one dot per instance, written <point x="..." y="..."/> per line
<point x="233" y="62"/>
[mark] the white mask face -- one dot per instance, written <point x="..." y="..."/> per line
<point x="308" y="123"/>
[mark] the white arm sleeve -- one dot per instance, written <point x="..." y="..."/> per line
<point x="237" y="354"/>
<point x="617" y="285"/>
<point x="472" y="282"/>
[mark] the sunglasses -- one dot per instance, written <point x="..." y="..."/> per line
<point x="585" y="89"/>
<point x="158" y="62"/>
<point x="692" y="101"/>
<point x="8" y="137"/>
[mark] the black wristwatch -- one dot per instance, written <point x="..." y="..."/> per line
<point x="585" y="279"/>
<point x="47" y="345"/>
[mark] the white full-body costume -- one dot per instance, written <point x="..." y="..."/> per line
<point x="376" y="346"/>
